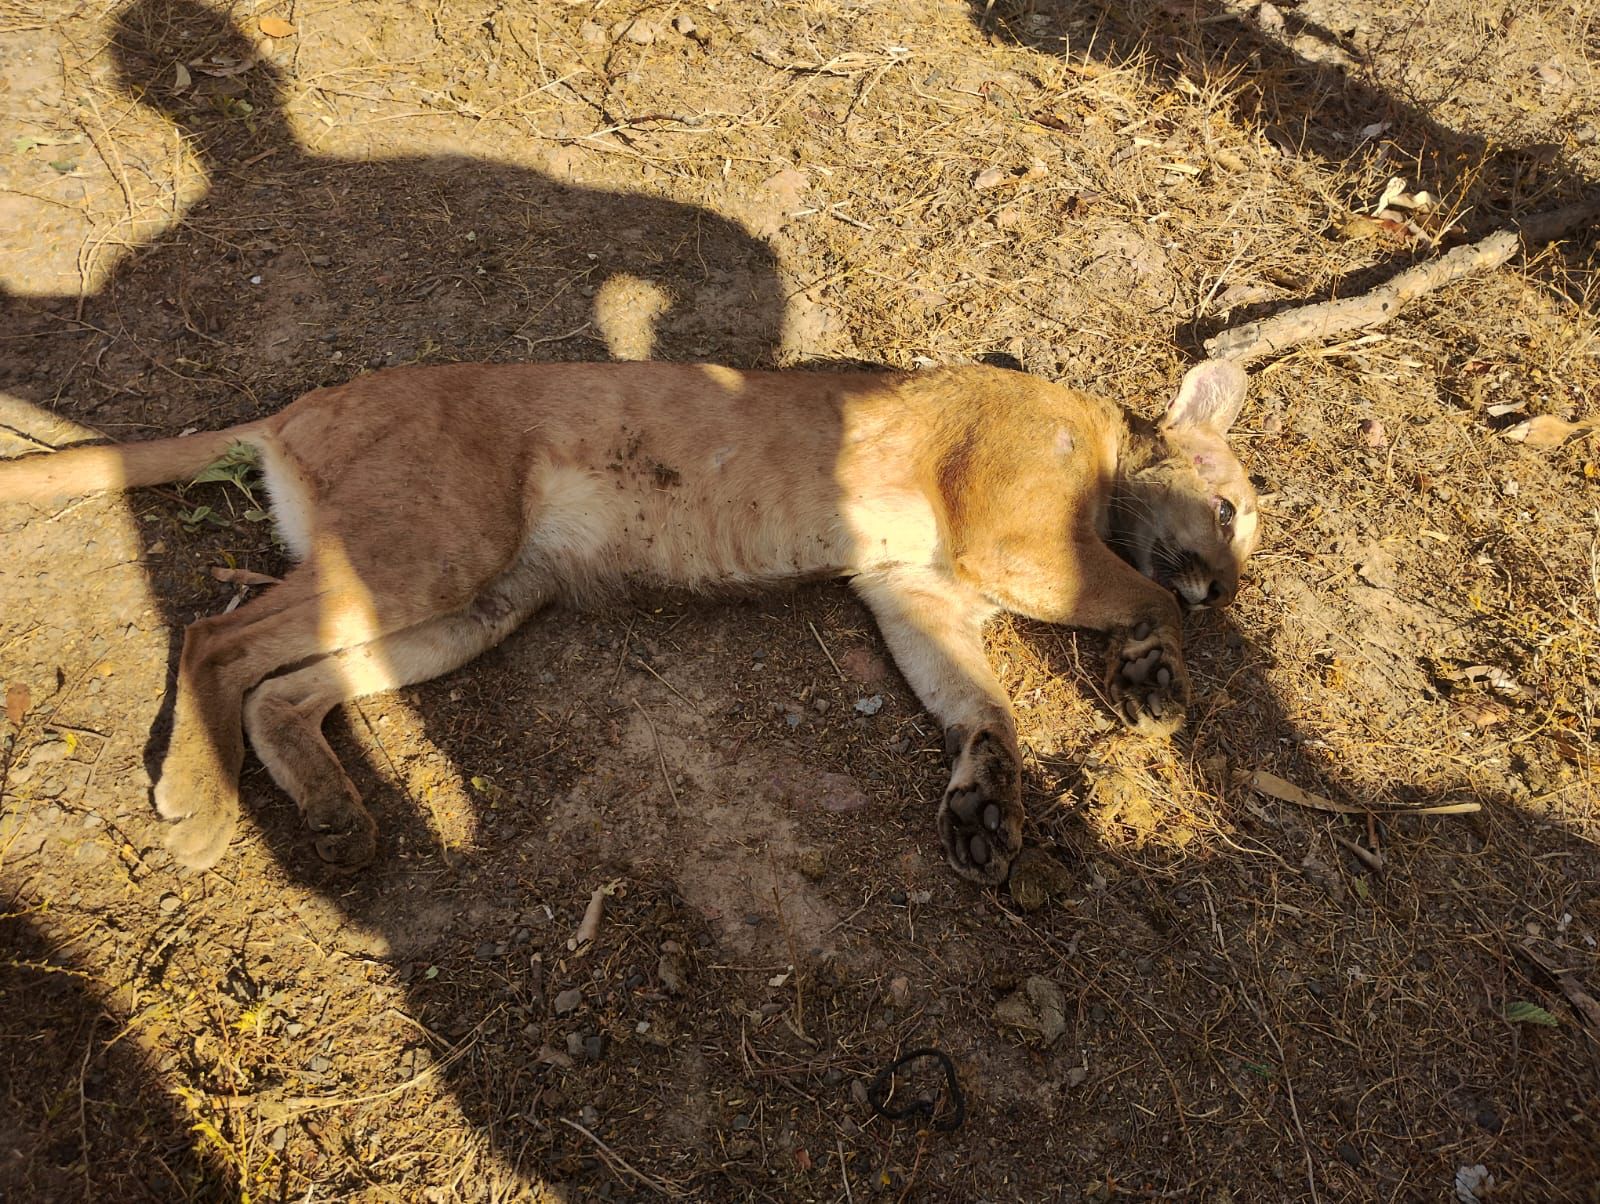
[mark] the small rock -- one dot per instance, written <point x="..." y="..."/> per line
<point x="592" y="34"/>
<point x="486" y="952"/>
<point x="574" y="1045"/>
<point x="858" y="1092"/>
<point x="832" y="1077"/>
<point x="319" y="1065"/>
<point x="569" y="1001"/>
<point x="820" y="705"/>
<point x="594" y="1047"/>
<point x="320" y="261"/>
<point x="1348" y="1154"/>
<point x="900" y="991"/>
<point x="870" y="706"/>
<point x="278" y="1139"/>
<point x="50" y="750"/>
<point x="741" y="1121"/>
<point x="898" y="897"/>
<point x="1037" y="1009"/>
<point x="170" y="903"/>
<point x="589" y="1115"/>
<point x="551" y="1056"/>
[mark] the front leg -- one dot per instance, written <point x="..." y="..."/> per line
<point x="934" y="628"/>
<point x="1083" y="583"/>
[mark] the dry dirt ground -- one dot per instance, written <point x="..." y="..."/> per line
<point x="1226" y="997"/>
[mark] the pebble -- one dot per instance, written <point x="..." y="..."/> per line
<point x="319" y="1065"/>
<point x="170" y="903"/>
<point x="487" y="951"/>
<point x="858" y="1092"/>
<point x="594" y="1047"/>
<point x="870" y="706"/>
<point x="568" y="1001"/>
<point x="575" y="1045"/>
<point x="589" y="1115"/>
<point x="741" y="1121"/>
<point x="897" y="897"/>
<point x="900" y="991"/>
<point x="832" y="1077"/>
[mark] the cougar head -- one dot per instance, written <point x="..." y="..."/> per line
<point x="1185" y="513"/>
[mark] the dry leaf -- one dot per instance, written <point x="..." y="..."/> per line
<point x="1275" y="787"/>
<point x="241" y="576"/>
<point x="223" y="69"/>
<point x="1548" y="431"/>
<point x="18" y="698"/>
<point x="275" y="27"/>
<point x="180" y="78"/>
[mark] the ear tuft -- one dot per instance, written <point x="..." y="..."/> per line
<point x="1209" y="399"/>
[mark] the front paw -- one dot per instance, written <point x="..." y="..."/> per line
<point x="1146" y="680"/>
<point x="980" y="817"/>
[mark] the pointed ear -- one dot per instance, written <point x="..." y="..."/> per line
<point x="1209" y="398"/>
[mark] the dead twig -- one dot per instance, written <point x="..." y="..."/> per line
<point x="618" y="1163"/>
<point x="1269" y="336"/>
<point x="1582" y="1002"/>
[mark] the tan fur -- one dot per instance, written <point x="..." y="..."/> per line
<point x="434" y="509"/>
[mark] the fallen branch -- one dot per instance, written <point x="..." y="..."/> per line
<point x="1271" y="335"/>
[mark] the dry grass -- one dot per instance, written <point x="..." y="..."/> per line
<point x="1254" y="1011"/>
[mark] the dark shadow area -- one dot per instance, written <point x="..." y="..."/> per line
<point x="83" y="1116"/>
<point x="1313" y="106"/>
<point x="297" y="269"/>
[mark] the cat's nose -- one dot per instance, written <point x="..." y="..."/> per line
<point x="1219" y="594"/>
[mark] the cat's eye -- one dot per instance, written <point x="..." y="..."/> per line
<point x="1224" y="511"/>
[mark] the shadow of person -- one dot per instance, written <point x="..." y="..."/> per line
<point x="82" y="1116"/>
<point x="1302" y="88"/>
<point x="296" y="269"/>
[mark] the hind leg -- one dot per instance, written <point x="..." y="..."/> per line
<point x="283" y="717"/>
<point x="223" y="657"/>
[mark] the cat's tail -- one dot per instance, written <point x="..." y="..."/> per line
<point x="79" y="470"/>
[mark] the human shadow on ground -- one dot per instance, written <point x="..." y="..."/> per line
<point x="83" y="1114"/>
<point x="296" y="269"/>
